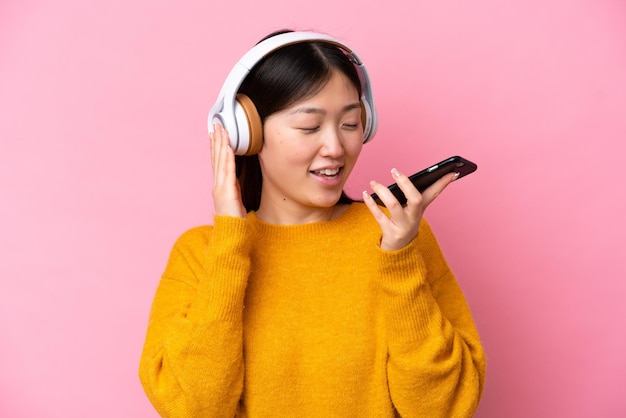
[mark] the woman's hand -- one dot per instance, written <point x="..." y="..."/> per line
<point x="402" y="224"/>
<point x="226" y="191"/>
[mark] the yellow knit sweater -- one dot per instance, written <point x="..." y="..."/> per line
<point x="314" y="320"/>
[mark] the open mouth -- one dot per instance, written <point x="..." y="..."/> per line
<point x="329" y="173"/>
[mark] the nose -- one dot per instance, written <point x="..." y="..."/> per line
<point x="332" y="143"/>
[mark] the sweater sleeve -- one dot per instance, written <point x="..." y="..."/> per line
<point x="436" y="364"/>
<point x="192" y="361"/>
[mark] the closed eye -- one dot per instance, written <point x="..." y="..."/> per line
<point x="310" y="130"/>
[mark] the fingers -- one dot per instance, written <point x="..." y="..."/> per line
<point x="385" y="195"/>
<point x="226" y="192"/>
<point x="435" y="190"/>
<point x="424" y="199"/>
<point x="401" y="225"/>
<point x="221" y="155"/>
<point x="219" y="141"/>
<point x="379" y="215"/>
<point x="413" y="197"/>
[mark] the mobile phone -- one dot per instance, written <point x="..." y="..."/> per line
<point x="425" y="178"/>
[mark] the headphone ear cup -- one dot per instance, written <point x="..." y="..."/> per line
<point x="366" y="120"/>
<point x="251" y="125"/>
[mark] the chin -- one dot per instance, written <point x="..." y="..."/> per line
<point x="328" y="201"/>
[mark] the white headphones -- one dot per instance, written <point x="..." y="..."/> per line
<point x="237" y="114"/>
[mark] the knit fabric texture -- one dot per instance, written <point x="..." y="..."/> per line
<point x="315" y="320"/>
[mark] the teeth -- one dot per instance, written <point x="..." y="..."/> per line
<point x="329" y="172"/>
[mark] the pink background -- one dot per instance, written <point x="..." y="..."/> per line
<point x="104" y="162"/>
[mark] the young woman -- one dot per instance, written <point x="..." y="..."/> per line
<point x="298" y="301"/>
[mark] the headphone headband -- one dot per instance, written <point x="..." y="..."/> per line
<point x="228" y="111"/>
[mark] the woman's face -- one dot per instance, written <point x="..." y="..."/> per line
<point x="310" y="149"/>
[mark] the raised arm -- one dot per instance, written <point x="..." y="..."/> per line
<point x="192" y="363"/>
<point x="436" y="364"/>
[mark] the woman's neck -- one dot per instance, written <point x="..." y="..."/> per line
<point x="280" y="215"/>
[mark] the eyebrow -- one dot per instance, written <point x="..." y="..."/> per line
<point x="316" y="110"/>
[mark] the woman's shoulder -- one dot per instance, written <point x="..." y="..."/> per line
<point x="225" y="230"/>
<point x="195" y="236"/>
